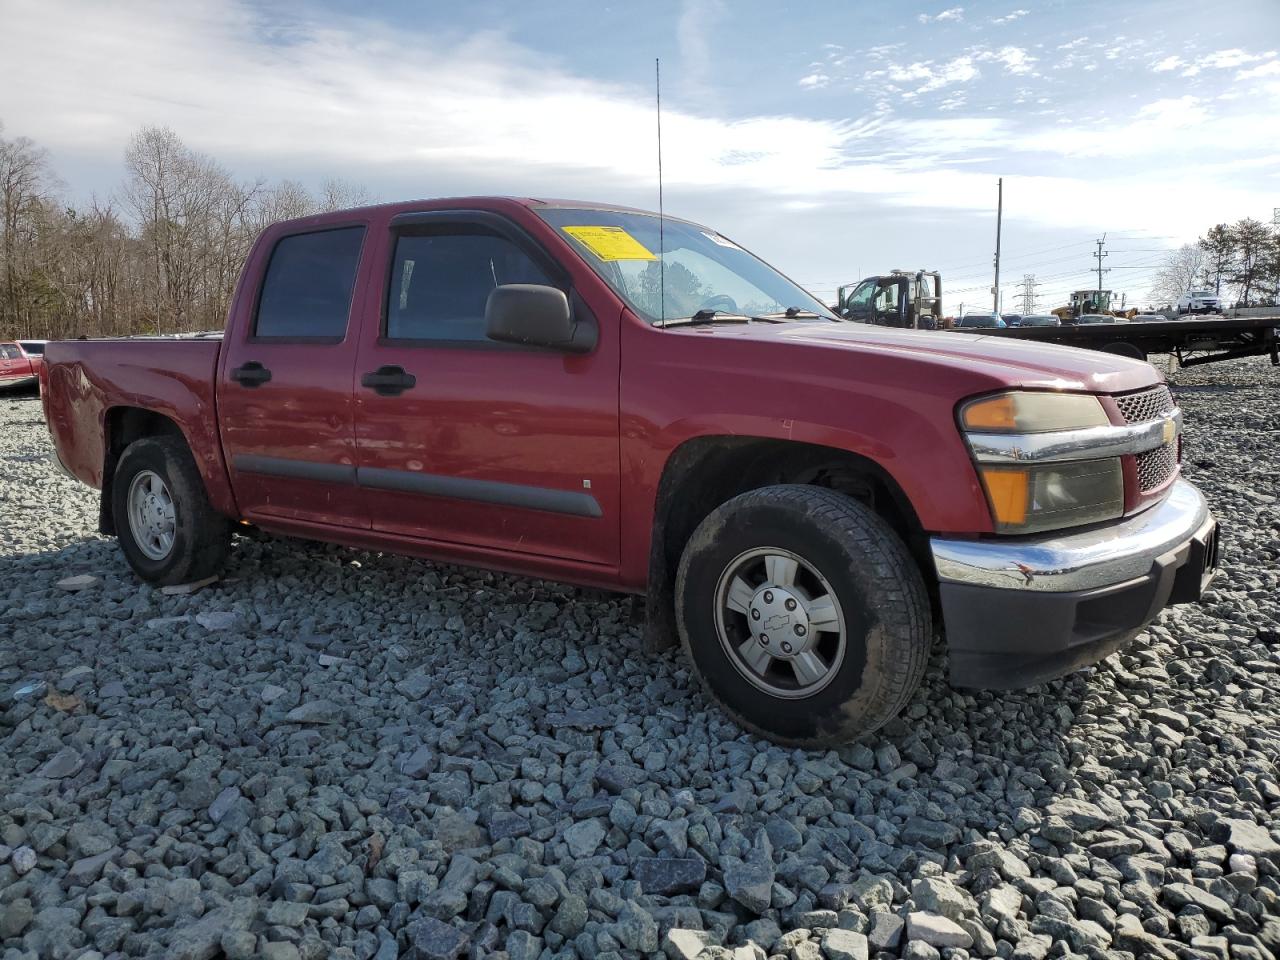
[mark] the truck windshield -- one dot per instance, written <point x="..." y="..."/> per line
<point x="703" y="270"/>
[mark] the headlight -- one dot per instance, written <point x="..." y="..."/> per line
<point x="1054" y="495"/>
<point x="1033" y="413"/>
<point x="1042" y="460"/>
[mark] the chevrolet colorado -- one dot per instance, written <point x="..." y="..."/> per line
<point x="528" y="386"/>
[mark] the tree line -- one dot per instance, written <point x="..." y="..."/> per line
<point x="1240" y="262"/>
<point x="161" y="254"/>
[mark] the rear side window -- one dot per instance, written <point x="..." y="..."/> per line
<point x="441" y="281"/>
<point x="8" y="352"/>
<point x="307" y="289"/>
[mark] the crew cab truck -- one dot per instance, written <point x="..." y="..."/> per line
<point x="524" y="385"/>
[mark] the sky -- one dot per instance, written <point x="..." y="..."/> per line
<point x="835" y="139"/>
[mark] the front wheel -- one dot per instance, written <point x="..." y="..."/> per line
<point x="804" y="614"/>
<point x="168" y="530"/>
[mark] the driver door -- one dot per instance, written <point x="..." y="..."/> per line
<point x="859" y="305"/>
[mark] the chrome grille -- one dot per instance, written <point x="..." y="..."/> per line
<point x="1157" y="466"/>
<point x="1145" y="405"/>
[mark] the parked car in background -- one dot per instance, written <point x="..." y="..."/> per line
<point x="983" y="320"/>
<point x="1011" y="319"/>
<point x="16" y="367"/>
<point x="1087" y="318"/>
<point x="34" y="349"/>
<point x="1149" y="318"/>
<point x="501" y="383"/>
<point x="1040" y="320"/>
<point x="1199" y="301"/>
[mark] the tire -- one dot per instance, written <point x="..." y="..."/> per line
<point x="843" y="552"/>
<point x="200" y="536"/>
<point x="1122" y="349"/>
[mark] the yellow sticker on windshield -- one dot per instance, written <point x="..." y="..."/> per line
<point x="610" y="243"/>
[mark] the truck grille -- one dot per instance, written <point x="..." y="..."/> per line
<point x="1145" y="405"/>
<point x="1157" y="466"/>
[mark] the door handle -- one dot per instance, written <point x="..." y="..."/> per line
<point x="389" y="381"/>
<point x="251" y="374"/>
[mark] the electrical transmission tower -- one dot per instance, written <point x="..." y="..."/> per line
<point x="1028" y="293"/>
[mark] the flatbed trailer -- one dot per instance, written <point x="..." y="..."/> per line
<point x="1193" y="342"/>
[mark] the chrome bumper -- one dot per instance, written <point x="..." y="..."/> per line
<point x="1104" y="556"/>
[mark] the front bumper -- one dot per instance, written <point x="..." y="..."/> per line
<point x="1021" y="611"/>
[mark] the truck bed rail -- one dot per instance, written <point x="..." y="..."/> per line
<point x="1193" y="342"/>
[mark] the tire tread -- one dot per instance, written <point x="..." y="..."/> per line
<point x="205" y="537"/>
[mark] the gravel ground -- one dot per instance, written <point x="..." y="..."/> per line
<point x="341" y="754"/>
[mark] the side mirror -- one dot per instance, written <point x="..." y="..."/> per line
<point x="534" y="315"/>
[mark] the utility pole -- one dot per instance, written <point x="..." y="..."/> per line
<point x="1275" y="225"/>
<point x="1099" y="255"/>
<point x="995" y="289"/>
<point x="1028" y="293"/>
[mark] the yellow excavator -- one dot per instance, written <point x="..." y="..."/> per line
<point x="1092" y="302"/>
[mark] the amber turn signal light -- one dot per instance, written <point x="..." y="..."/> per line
<point x="1009" y="493"/>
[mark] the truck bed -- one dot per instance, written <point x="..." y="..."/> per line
<point x="92" y="388"/>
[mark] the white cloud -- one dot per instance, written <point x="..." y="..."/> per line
<point x="694" y="28"/>
<point x="1015" y="59"/>
<point x="1011" y="16"/>
<point x="1268" y="69"/>
<point x="954" y="14"/>
<point x="814" y="81"/>
<point x="1168" y="63"/>
<point x="383" y="105"/>
<point x="925" y="76"/>
<point x="1235" y="57"/>
<point x="1230" y="59"/>
<point x="1072" y="44"/>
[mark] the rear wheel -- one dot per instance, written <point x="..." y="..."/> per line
<point x="167" y="529"/>
<point x="804" y="614"/>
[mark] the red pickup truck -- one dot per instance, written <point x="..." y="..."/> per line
<point x="20" y="362"/>
<point x="525" y="385"/>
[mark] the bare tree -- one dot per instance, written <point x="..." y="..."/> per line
<point x="337" y="194"/>
<point x="27" y="187"/>
<point x="167" y="258"/>
<point x="1182" y="270"/>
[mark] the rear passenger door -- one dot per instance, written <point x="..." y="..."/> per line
<point x="285" y="390"/>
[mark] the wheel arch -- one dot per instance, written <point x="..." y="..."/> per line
<point x="123" y="425"/>
<point x="704" y="472"/>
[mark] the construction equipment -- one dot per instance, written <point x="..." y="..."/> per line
<point x="1092" y="301"/>
<point x="901" y="298"/>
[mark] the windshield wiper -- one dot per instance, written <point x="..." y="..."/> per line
<point x="796" y="313"/>
<point x="727" y="316"/>
<point x="711" y="316"/>
<point x="703" y="316"/>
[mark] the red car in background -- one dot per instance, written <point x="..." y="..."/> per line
<point x="20" y="362"/>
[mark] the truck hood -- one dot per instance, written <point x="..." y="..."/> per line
<point x="1006" y="361"/>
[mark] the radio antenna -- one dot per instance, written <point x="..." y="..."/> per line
<point x="662" y="246"/>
